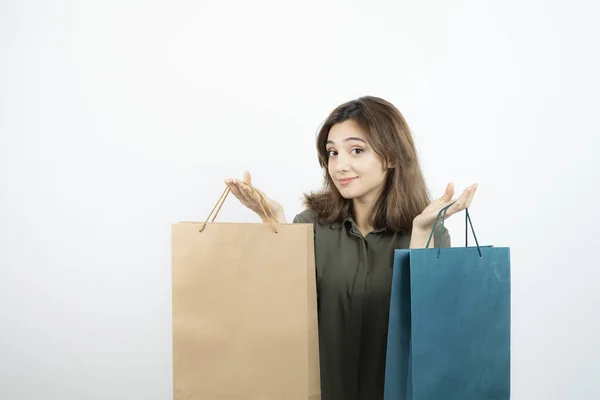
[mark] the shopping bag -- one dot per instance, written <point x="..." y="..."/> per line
<point x="244" y="310"/>
<point x="449" y="326"/>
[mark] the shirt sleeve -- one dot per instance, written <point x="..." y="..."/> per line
<point x="446" y="240"/>
<point x="299" y="219"/>
<point x="307" y="216"/>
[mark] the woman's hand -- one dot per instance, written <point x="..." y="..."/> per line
<point x="249" y="196"/>
<point x="424" y="221"/>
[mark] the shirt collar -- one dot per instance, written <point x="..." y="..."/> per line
<point x="349" y="221"/>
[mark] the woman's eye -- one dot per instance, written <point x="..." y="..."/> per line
<point x="357" y="151"/>
<point x="332" y="153"/>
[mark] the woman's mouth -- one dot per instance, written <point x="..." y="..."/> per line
<point x="346" y="181"/>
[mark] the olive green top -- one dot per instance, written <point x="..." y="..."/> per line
<point x="354" y="275"/>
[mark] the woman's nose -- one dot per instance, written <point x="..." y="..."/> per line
<point x="342" y="167"/>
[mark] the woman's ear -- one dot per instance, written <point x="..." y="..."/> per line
<point x="391" y="163"/>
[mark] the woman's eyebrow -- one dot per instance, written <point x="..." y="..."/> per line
<point x="347" y="139"/>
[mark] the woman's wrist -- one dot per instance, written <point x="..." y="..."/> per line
<point x="278" y="214"/>
<point x="419" y="237"/>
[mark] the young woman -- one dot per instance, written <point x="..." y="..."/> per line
<point x="374" y="201"/>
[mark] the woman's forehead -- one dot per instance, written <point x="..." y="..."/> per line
<point x="344" y="132"/>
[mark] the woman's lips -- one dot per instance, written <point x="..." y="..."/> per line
<point x="346" y="181"/>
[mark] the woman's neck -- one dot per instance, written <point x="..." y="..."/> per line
<point x="361" y="210"/>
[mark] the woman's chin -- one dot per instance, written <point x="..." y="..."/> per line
<point x="348" y="194"/>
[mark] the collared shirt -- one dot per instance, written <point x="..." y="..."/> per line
<point x="354" y="274"/>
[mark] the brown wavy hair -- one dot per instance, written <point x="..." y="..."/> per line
<point x="404" y="195"/>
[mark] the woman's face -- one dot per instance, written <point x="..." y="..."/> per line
<point x="356" y="170"/>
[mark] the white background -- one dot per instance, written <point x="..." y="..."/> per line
<point x="120" y="118"/>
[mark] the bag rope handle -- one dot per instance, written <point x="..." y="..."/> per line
<point x="270" y="216"/>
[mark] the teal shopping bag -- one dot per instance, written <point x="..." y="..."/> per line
<point x="449" y="327"/>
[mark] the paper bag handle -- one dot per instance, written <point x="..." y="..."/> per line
<point x="468" y="222"/>
<point x="221" y="200"/>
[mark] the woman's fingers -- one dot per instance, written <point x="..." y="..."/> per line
<point x="235" y="190"/>
<point x="464" y="201"/>
<point x="251" y="195"/>
<point x="472" y="191"/>
<point x="247" y="195"/>
<point x="239" y="193"/>
<point x="253" y="198"/>
<point x="244" y="191"/>
<point x="250" y="191"/>
<point x="447" y="196"/>
<point x="247" y="178"/>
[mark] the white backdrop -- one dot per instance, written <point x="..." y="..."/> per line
<point x="120" y="118"/>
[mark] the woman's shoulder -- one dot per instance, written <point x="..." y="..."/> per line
<point x="307" y="216"/>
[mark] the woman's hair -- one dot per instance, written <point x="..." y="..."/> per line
<point x="404" y="195"/>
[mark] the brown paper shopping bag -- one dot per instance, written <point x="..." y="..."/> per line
<point x="244" y="311"/>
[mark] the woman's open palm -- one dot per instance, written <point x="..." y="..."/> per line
<point x="426" y="219"/>
<point x="249" y="196"/>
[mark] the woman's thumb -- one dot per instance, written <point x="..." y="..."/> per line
<point x="247" y="178"/>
